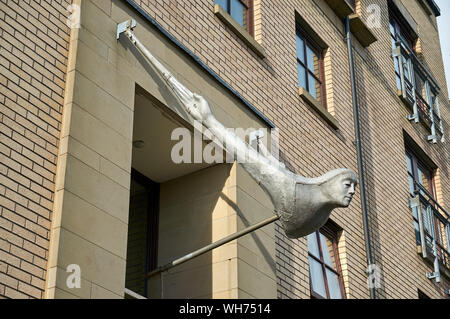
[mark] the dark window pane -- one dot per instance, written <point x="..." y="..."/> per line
<point x="137" y="238"/>
<point x="417" y="232"/>
<point x="333" y="285"/>
<point x="409" y="164"/>
<point x="301" y="75"/>
<point x="316" y="277"/>
<point x="300" y="49"/>
<point x="237" y="11"/>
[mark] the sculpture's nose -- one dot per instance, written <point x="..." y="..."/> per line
<point x="352" y="189"/>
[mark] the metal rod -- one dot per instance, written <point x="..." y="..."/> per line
<point x="359" y="152"/>
<point x="214" y="245"/>
<point x="133" y="294"/>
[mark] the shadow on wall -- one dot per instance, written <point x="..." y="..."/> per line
<point x="369" y="169"/>
<point x="265" y="253"/>
<point x="188" y="207"/>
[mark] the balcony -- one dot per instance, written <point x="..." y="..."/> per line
<point x="432" y="231"/>
<point x="418" y="90"/>
<point x="342" y="8"/>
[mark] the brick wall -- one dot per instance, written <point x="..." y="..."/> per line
<point x="310" y="146"/>
<point x="33" y="56"/>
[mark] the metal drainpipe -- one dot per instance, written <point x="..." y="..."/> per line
<point x="359" y="152"/>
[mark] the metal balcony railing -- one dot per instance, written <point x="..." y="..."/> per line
<point x="434" y="230"/>
<point x="425" y="103"/>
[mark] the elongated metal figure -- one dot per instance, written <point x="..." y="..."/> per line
<point x="303" y="204"/>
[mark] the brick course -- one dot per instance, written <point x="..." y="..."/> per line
<point x="310" y="147"/>
<point x="33" y="61"/>
<point x="33" y="58"/>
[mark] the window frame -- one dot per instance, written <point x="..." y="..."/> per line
<point x="401" y="29"/>
<point x="248" y="5"/>
<point x="416" y="164"/>
<point x="331" y="232"/>
<point x="319" y="51"/>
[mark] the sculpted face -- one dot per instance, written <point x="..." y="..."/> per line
<point x="340" y="189"/>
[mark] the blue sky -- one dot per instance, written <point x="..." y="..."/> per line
<point x="444" y="34"/>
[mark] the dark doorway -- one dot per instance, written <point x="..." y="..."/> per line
<point x="142" y="247"/>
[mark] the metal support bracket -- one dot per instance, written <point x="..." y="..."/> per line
<point x="414" y="117"/>
<point x="432" y="275"/>
<point x="124" y="26"/>
<point x="432" y="138"/>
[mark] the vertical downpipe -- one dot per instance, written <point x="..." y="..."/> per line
<point x="359" y="152"/>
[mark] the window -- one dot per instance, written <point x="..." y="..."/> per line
<point x="399" y="32"/>
<point x="431" y="221"/>
<point x="142" y="232"/>
<point x="324" y="269"/>
<point x="310" y="66"/>
<point x="239" y="10"/>
<point x="414" y="82"/>
<point x="422" y="295"/>
<point x="418" y="174"/>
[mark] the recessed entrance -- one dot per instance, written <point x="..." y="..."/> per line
<point x="174" y="209"/>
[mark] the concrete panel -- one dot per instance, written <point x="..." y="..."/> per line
<point x="256" y="283"/>
<point x="97" y="265"/>
<point x="103" y="106"/>
<point x="58" y="277"/>
<point x="97" y="189"/>
<point x="103" y="74"/>
<point x="91" y="223"/>
<point x="107" y="142"/>
<point x="98" y="292"/>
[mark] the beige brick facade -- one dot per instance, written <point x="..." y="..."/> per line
<point x="33" y="57"/>
<point x="67" y="103"/>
